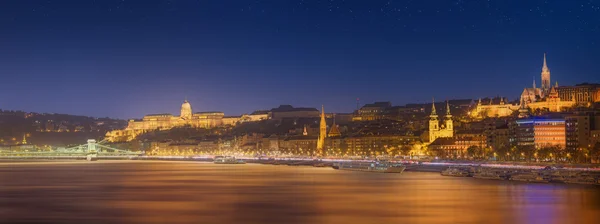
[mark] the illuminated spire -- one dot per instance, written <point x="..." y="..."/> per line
<point x="556" y="84"/>
<point x="433" y="113"/>
<point x="545" y="66"/>
<point x="546" y="85"/>
<point x="448" y="109"/>
<point x="322" y="132"/>
<point x="533" y="83"/>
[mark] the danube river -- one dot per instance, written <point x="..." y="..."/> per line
<point x="195" y="192"/>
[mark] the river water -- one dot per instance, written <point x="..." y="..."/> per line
<point x="194" y="192"/>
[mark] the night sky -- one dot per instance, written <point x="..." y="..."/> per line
<point x="128" y="58"/>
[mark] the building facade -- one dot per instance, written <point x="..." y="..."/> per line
<point x="583" y="94"/>
<point x="547" y="97"/>
<point x="541" y="132"/>
<point x="552" y="102"/>
<point x="373" y="111"/>
<point x="500" y="109"/>
<point x="580" y="129"/>
<point x="446" y="129"/>
<point x="167" y="121"/>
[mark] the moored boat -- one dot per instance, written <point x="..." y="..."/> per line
<point x="227" y="160"/>
<point x="456" y="172"/>
<point x="379" y="167"/>
<point x="582" y="178"/>
<point x="529" y="177"/>
<point x="490" y="174"/>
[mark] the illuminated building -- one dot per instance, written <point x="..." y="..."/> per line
<point x="583" y="94"/>
<point x="439" y="131"/>
<point x="534" y="94"/>
<point x="547" y="97"/>
<point x="255" y="116"/>
<point x="541" y="132"/>
<point x="377" y="143"/>
<point x="552" y="102"/>
<point x="456" y="146"/>
<point x="306" y="143"/>
<point x="530" y="95"/>
<point x="374" y="111"/>
<point x="580" y="129"/>
<point x="493" y="110"/>
<point x="167" y="121"/>
<point x="497" y="134"/>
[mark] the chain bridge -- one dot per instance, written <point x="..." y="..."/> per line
<point x="90" y="151"/>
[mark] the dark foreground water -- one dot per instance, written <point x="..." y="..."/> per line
<point x="188" y="192"/>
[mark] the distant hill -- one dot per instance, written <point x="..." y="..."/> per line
<point x="53" y="129"/>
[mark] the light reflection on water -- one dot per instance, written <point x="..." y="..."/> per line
<point x="191" y="192"/>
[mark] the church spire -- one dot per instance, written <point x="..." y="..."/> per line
<point x="322" y="132"/>
<point x="546" y="85"/>
<point x="448" y="109"/>
<point x="433" y="113"/>
<point x="545" y="66"/>
<point x="534" y="83"/>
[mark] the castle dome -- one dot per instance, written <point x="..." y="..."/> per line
<point x="186" y="105"/>
<point x="186" y="110"/>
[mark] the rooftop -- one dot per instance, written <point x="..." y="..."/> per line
<point x="209" y="112"/>
<point x="378" y="104"/>
<point x="258" y="112"/>
<point x="158" y="115"/>
<point x="290" y="108"/>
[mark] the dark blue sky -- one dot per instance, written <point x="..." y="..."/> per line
<point x="129" y="58"/>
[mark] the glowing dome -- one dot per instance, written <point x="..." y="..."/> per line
<point x="186" y="110"/>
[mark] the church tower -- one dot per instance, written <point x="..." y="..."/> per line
<point x="448" y="119"/>
<point x="545" y="77"/>
<point x="434" y="123"/>
<point x="186" y="110"/>
<point x="322" y="132"/>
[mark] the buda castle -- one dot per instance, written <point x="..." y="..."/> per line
<point x="153" y="122"/>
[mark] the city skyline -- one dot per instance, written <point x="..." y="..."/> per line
<point x="244" y="56"/>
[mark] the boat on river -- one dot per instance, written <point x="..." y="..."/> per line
<point x="227" y="160"/>
<point x="378" y="167"/>
<point x="582" y="178"/>
<point x="491" y="174"/>
<point x="529" y="177"/>
<point x="456" y="172"/>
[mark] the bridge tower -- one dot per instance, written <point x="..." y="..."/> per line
<point x="92" y="153"/>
